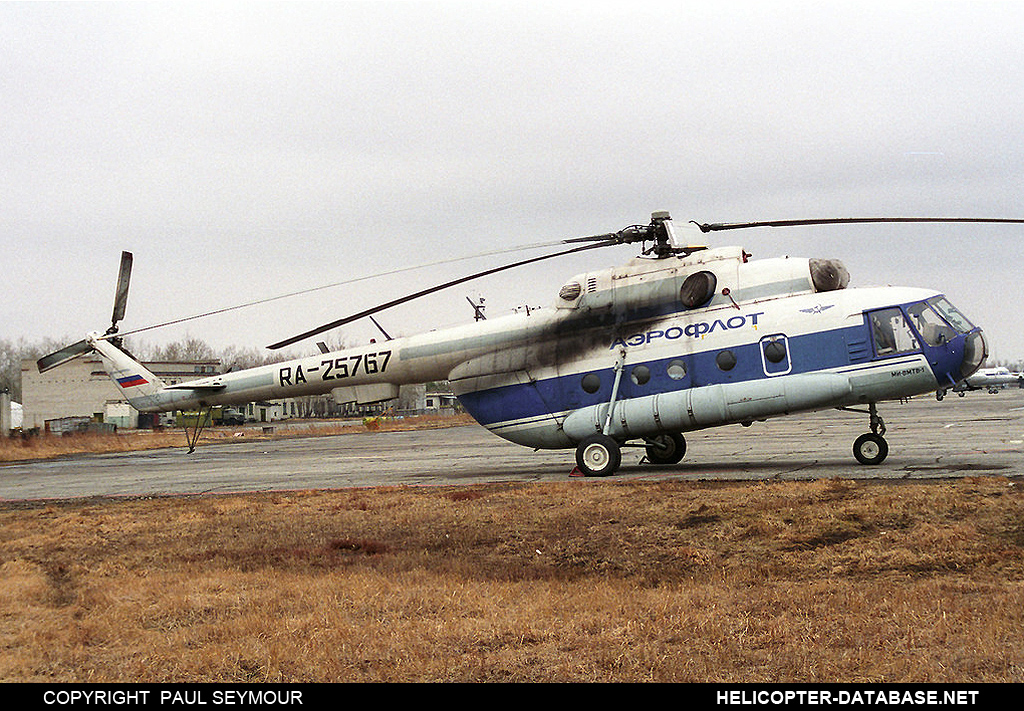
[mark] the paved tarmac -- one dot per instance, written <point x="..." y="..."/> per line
<point x="980" y="434"/>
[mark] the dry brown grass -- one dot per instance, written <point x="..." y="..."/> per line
<point x="578" y="581"/>
<point x="46" y="446"/>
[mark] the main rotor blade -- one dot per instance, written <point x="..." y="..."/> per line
<point x="279" y="297"/>
<point x="410" y="297"/>
<point x="718" y="227"/>
<point x="121" y="295"/>
<point x="63" y="356"/>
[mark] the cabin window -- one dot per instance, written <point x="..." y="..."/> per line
<point x="640" y="375"/>
<point x="775" y="351"/>
<point x="775" y="355"/>
<point x="726" y="360"/>
<point x="591" y="383"/>
<point x="932" y="328"/>
<point x="676" y="370"/>
<point x="891" y="333"/>
<point x="697" y="289"/>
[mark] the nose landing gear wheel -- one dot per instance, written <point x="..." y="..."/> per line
<point x="598" y="455"/>
<point x="870" y="448"/>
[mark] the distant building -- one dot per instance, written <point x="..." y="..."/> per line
<point x="426" y="399"/>
<point x="82" y="388"/>
<point x="264" y="411"/>
<point x="10" y="413"/>
<point x="439" y="398"/>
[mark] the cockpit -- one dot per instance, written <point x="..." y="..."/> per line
<point x="955" y="346"/>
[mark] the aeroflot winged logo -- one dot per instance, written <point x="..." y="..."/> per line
<point x="817" y="309"/>
<point x="131" y="381"/>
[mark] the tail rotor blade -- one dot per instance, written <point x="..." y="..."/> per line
<point x="121" y="296"/>
<point x="63" y="355"/>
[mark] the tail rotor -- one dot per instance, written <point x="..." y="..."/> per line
<point x="80" y="348"/>
<point x="121" y="295"/>
<point x="63" y="355"/>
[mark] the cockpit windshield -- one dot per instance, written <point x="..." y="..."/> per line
<point x="952" y="315"/>
<point x="926" y="321"/>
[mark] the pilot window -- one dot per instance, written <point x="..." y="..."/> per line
<point x="932" y="328"/>
<point x="891" y="333"/>
<point x="949" y="312"/>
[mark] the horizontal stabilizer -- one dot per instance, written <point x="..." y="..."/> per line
<point x="63" y="355"/>
<point x="206" y="387"/>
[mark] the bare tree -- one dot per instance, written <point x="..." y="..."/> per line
<point x="188" y="348"/>
<point x="12" y="353"/>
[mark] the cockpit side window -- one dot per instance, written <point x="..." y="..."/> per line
<point x="949" y="312"/>
<point x="891" y="333"/>
<point x="933" y="329"/>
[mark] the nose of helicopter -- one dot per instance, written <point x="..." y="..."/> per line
<point x="975" y="352"/>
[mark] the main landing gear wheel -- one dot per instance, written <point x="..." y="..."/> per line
<point x="666" y="448"/>
<point x="870" y="448"/>
<point x="598" y="455"/>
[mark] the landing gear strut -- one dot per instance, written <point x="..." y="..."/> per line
<point x="871" y="447"/>
<point x="193" y="438"/>
<point x="599" y="454"/>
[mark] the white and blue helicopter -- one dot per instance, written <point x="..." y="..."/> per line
<point x="679" y="339"/>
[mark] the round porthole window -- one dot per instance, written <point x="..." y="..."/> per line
<point x="591" y="383"/>
<point x="640" y="375"/>
<point x="676" y="370"/>
<point x="726" y="360"/>
<point x="775" y="351"/>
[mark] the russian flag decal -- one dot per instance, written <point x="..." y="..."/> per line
<point x="131" y="381"/>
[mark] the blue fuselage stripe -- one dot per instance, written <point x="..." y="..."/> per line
<point x="809" y="353"/>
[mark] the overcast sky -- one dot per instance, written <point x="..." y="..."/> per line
<point x="245" y="150"/>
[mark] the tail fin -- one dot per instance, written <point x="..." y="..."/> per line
<point x="138" y="384"/>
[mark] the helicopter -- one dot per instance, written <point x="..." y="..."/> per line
<point x="678" y="339"/>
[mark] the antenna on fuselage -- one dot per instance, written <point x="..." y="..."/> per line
<point x="478" y="309"/>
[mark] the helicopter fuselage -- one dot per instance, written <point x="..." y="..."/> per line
<point x="656" y="346"/>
